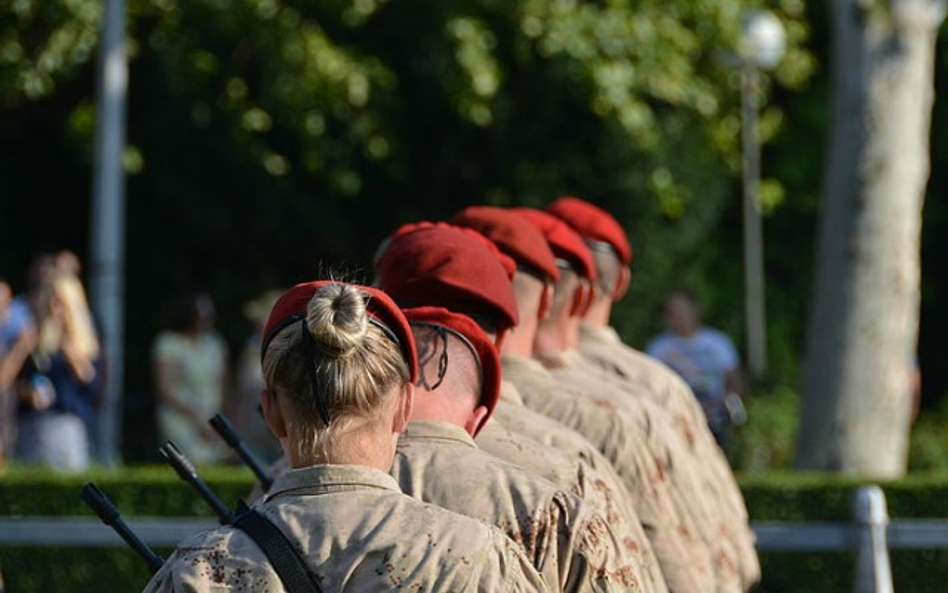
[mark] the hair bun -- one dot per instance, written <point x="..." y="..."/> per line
<point x="337" y="319"/>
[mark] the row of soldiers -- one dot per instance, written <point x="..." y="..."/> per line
<point x="522" y="409"/>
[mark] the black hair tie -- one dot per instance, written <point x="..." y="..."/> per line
<point x="309" y="350"/>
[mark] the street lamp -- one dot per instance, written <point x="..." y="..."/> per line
<point x="107" y="228"/>
<point x="760" y="47"/>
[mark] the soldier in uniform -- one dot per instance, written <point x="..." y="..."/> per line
<point x="557" y="339"/>
<point x="441" y="266"/>
<point x="339" y="364"/>
<point x="646" y="426"/>
<point x="571" y="545"/>
<point x="573" y="464"/>
<point x="601" y="345"/>
<point x="419" y="267"/>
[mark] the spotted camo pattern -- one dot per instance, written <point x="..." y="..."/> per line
<point x="603" y="347"/>
<point x="683" y="557"/>
<point x="545" y="447"/>
<point x="687" y="490"/>
<point x="357" y="532"/>
<point x="574" y="548"/>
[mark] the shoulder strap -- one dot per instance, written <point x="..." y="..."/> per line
<point x="284" y="557"/>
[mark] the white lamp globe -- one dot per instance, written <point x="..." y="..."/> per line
<point x="762" y="40"/>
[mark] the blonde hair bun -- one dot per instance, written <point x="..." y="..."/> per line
<point x="337" y="319"/>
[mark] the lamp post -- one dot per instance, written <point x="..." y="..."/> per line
<point x="761" y="47"/>
<point x="107" y="228"/>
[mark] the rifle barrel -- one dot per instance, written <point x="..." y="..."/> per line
<point x="100" y="504"/>
<point x="227" y="432"/>
<point x="185" y="469"/>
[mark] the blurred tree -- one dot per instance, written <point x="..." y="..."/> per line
<point x="42" y="41"/>
<point x="268" y="137"/>
<point x="863" y="332"/>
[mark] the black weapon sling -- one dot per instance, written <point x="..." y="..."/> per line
<point x="283" y="555"/>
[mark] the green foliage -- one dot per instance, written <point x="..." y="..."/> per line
<point x="328" y="124"/>
<point x="141" y="490"/>
<point x="928" y="448"/>
<point x="156" y="491"/>
<point x="42" y="41"/>
<point x="828" y="498"/>
<point x="783" y="496"/>
<point x="767" y="440"/>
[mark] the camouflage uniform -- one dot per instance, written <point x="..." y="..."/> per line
<point x="568" y="460"/>
<point x="684" y="559"/>
<point x="603" y="347"/>
<point x="690" y="492"/>
<point x="274" y="470"/>
<point x="573" y="548"/>
<point x="357" y="532"/>
<point x="546" y="448"/>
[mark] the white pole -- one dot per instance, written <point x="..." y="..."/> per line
<point x="873" y="573"/>
<point x="754" y="309"/>
<point x="761" y="46"/>
<point x="108" y="222"/>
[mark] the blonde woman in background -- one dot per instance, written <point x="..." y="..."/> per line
<point x="59" y="385"/>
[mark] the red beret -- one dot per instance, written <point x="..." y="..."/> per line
<point x="382" y="312"/>
<point x="446" y="266"/>
<point x="510" y="266"/>
<point x="592" y="222"/>
<point x="513" y="235"/>
<point x="469" y="331"/>
<point x="563" y="240"/>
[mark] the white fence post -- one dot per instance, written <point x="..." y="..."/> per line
<point x="873" y="574"/>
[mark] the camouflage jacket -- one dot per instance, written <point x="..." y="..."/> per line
<point x="683" y="556"/>
<point x="573" y="547"/>
<point x="603" y="347"/>
<point x="356" y="532"/>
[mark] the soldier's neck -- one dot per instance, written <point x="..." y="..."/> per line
<point x="360" y="445"/>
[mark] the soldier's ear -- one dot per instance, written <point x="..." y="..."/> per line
<point x="403" y="409"/>
<point x="476" y="421"/>
<point x="499" y="339"/>
<point x="546" y="301"/>
<point x="582" y="297"/>
<point x="622" y="283"/>
<point x="273" y="413"/>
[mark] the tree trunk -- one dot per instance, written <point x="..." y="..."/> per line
<point x="864" y="320"/>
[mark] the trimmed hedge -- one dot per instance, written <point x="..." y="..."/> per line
<point x="803" y="497"/>
<point x="156" y="491"/>
<point x="152" y="491"/>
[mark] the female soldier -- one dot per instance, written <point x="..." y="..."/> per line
<point x="339" y="362"/>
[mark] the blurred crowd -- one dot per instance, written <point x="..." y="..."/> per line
<point x="51" y="367"/>
<point x="53" y="372"/>
<point x="478" y="373"/>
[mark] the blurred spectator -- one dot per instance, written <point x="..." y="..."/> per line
<point x="189" y="365"/>
<point x="17" y="340"/>
<point x="67" y="261"/>
<point x="38" y="279"/>
<point x="243" y="409"/>
<point x="58" y="385"/>
<point x="706" y="359"/>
